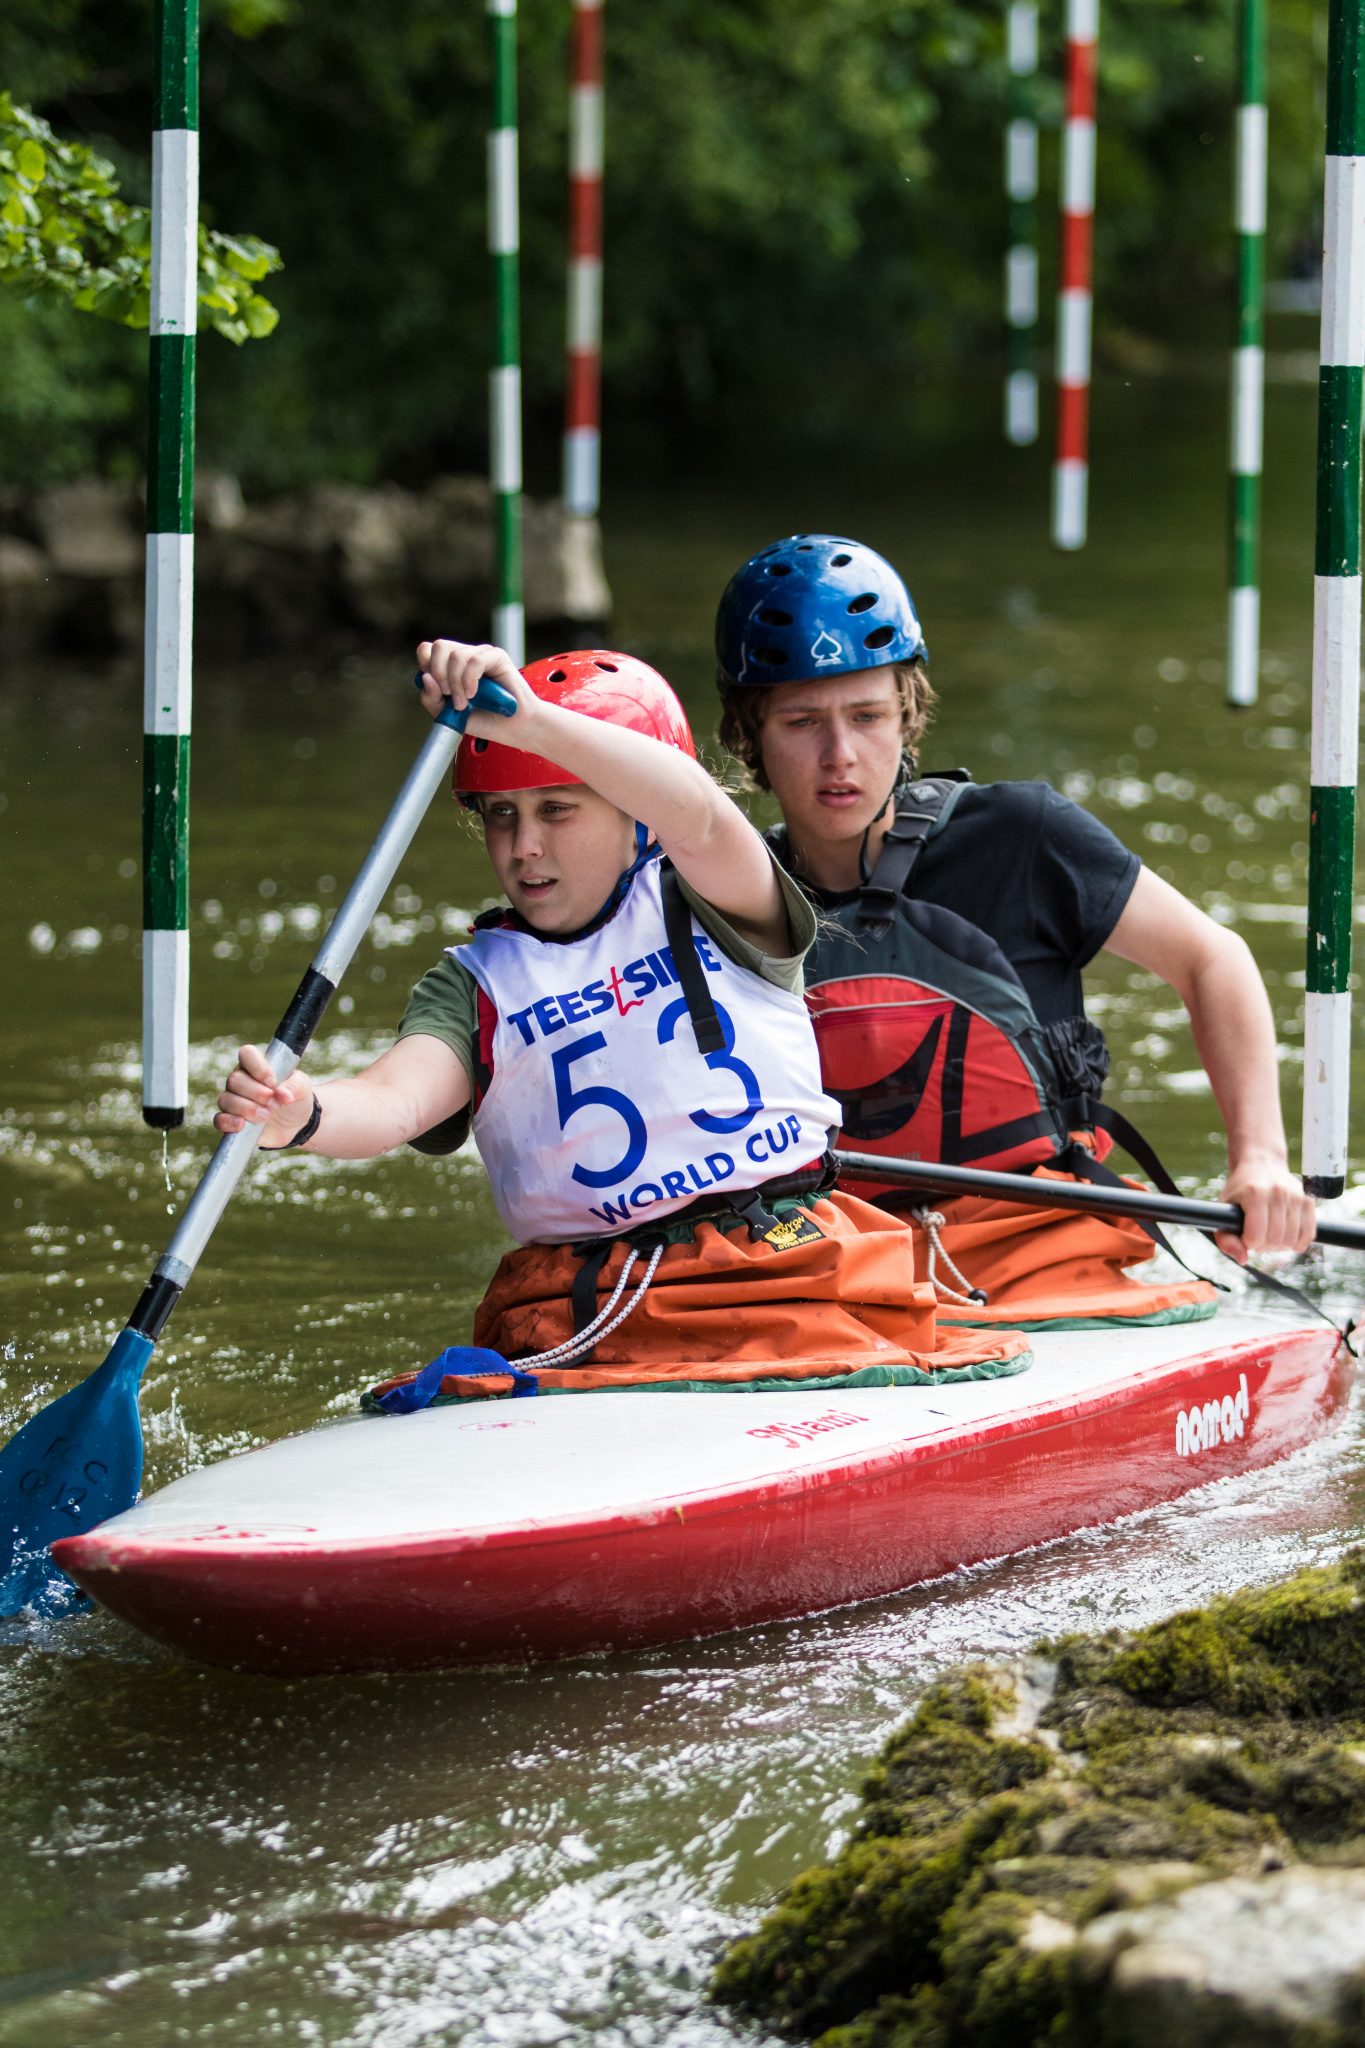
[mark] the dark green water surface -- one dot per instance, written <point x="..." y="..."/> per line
<point x="525" y="1857"/>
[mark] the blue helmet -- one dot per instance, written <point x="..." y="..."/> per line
<point x="812" y="605"/>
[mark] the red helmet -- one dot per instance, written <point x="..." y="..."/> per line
<point x="613" y="687"/>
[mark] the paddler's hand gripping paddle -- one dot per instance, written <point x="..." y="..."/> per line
<point x="79" y="1460"/>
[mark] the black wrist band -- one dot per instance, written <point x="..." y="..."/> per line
<point x="305" y="1132"/>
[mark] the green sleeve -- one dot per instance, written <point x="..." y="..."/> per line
<point x="444" y="1005"/>
<point x="784" y="970"/>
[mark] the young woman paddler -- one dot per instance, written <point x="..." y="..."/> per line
<point x="631" y="1039"/>
<point x="994" y="897"/>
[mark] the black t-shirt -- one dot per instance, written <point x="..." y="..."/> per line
<point x="1034" y="872"/>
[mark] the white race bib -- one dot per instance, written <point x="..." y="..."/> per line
<point x="601" y="1113"/>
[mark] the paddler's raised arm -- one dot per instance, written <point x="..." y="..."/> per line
<point x="414" y="1086"/>
<point x="706" y="836"/>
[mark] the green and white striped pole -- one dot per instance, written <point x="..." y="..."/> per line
<point x="504" y="406"/>
<point x="1336" y="614"/>
<point x="1248" y="360"/>
<point x="1021" y="195"/>
<point x="170" y="567"/>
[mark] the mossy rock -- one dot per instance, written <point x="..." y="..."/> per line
<point x="847" y="1936"/>
<point x="949" y="1758"/>
<point x="1015" y="1832"/>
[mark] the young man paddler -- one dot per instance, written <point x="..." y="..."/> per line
<point x="946" y="978"/>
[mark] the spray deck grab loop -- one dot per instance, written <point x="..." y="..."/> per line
<point x="932" y="1222"/>
<point x="584" y="1339"/>
<point x="471" y="1362"/>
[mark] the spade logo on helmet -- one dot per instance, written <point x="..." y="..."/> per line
<point x="825" y="650"/>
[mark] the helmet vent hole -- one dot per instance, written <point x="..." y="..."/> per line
<point x="840" y="561"/>
<point x="773" y="617"/>
<point x="805" y="548"/>
<point x="780" y="569"/>
<point x="772" y="657"/>
<point x="881" y="636"/>
<point x="558" y="675"/>
<point x="610" y="667"/>
<point x="864" y="603"/>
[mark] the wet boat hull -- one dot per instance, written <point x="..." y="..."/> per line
<point x="484" y="1533"/>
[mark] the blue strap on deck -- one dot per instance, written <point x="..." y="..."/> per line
<point x="456" y="1362"/>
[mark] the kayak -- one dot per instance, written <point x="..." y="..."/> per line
<point x="504" y="1531"/>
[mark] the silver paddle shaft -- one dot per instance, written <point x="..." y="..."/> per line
<point x="233" y="1154"/>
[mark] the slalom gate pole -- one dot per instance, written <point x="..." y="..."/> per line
<point x="1336" y="614"/>
<point x="169" y="613"/>
<point x="504" y="403"/>
<point x="583" y="321"/>
<point x="1021" y="194"/>
<point x="1248" y="360"/>
<point x="1075" y="297"/>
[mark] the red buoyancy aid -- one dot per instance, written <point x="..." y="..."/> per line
<point x="927" y="1035"/>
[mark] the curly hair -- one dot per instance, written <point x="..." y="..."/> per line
<point x="743" y="713"/>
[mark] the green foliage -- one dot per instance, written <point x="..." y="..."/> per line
<point x="248" y="18"/>
<point x="74" y="394"/>
<point x="803" y="205"/>
<point x="65" y="232"/>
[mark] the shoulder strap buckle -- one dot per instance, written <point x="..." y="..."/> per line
<point x="910" y="828"/>
<point x="748" y="1203"/>
<point x="876" y="905"/>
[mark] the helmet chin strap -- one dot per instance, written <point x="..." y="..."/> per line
<point x="643" y="846"/>
<point x="906" y="770"/>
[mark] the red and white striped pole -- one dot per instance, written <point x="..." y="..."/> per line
<point x="1071" y="470"/>
<point x="583" y="337"/>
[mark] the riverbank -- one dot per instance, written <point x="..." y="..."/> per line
<point x="1116" y="1840"/>
<point x="335" y="565"/>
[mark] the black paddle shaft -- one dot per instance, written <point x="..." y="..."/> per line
<point x="1065" y="1194"/>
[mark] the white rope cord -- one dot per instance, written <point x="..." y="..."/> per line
<point x="932" y="1222"/>
<point x="584" y="1339"/>
<point x="591" y="1329"/>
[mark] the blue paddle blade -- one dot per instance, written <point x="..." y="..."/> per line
<point x="78" y="1461"/>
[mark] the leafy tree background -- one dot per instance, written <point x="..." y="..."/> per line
<point x="802" y="204"/>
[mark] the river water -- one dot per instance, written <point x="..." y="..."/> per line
<point x="534" y="1856"/>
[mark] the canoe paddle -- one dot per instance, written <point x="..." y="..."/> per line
<point x="79" y="1459"/>
<point x="1064" y="1194"/>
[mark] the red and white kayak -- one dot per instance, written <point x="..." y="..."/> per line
<point x="498" y="1532"/>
